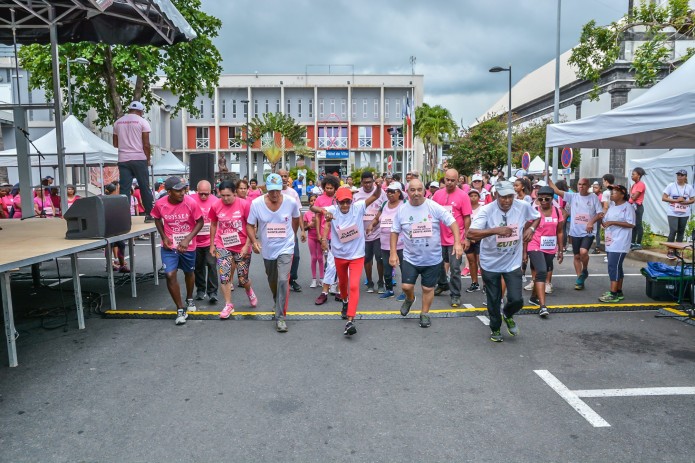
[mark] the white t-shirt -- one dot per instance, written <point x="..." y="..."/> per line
<point x="606" y="196"/>
<point x="617" y="239"/>
<point x="275" y="228"/>
<point x="583" y="209"/>
<point x="372" y="210"/>
<point x="675" y="191"/>
<point x="347" y="231"/>
<point x="289" y="192"/>
<point x="419" y="227"/>
<point x="498" y="254"/>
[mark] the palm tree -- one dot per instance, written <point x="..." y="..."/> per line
<point x="433" y="124"/>
<point x="289" y="130"/>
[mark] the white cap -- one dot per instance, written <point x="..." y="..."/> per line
<point x="540" y="183"/>
<point x="137" y="106"/>
<point x="512" y="179"/>
<point x="395" y="186"/>
<point x="477" y="177"/>
<point x="434" y="184"/>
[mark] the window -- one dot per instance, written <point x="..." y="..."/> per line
<point x="386" y="108"/>
<point x="246" y="109"/>
<point x="321" y="112"/>
<point x="311" y="108"/>
<point x="255" y="107"/>
<point x="224" y="109"/>
<point x="364" y="108"/>
<point x="267" y="140"/>
<point x="202" y="137"/>
<point x="333" y="137"/>
<point x="354" y="108"/>
<point x="332" y="106"/>
<point x="365" y="137"/>
<point x="594" y="153"/>
<point x="396" y="137"/>
<point x="202" y="109"/>
<point x="234" y="132"/>
<point x="343" y="109"/>
<point x="299" y="108"/>
<point x="267" y="106"/>
<point x="289" y="106"/>
<point x="277" y="105"/>
<point x="212" y="108"/>
<point x="233" y="109"/>
<point x="398" y="109"/>
<point x="376" y="108"/>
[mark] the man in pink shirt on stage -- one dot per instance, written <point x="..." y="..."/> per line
<point x="205" y="285"/>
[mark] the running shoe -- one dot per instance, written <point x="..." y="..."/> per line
<point x="605" y="260"/>
<point x="190" y="305"/>
<point x="380" y="288"/>
<point x="543" y="312"/>
<point x="322" y="299"/>
<point x="473" y="288"/>
<point x="350" y="329"/>
<point x="534" y="301"/>
<point x="425" y="321"/>
<point x="609" y="297"/>
<point x="496" y="336"/>
<point x="281" y="326"/>
<point x="252" y="297"/>
<point x="455" y="301"/>
<point x="529" y="287"/>
<point x="343" y="310"/>
<point x="227" y="311"/>
<point x="333" y="289"/>
<point x="621" y="296"/>
<point x="149" y="219"/>
<point x="579" y="283"/>
<point x="296" y="287"/>
<point x="401" y="297"/>
<point x="466" y="272"/>
<point x="548" y="288"/>
<point x="370" y="287"/>
<point x="405" y="307"/>
<point x="440" y="289"/>
<point x="181" y="316"/>
<point x="512" y="329"/>
<point x="313" y="283"/>
<point x="200" y="295"/>
<point x="124" y="269"/>
<point x="387" y="295"/>
<point x="213" y="297"/>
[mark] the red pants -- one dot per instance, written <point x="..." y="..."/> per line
<point x="349" y="273"/>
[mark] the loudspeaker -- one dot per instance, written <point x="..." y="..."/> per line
<point x="98" y="217"/>
<point x="202" y="168"/>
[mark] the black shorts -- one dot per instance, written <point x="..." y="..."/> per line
<point x="410" y="272"/>
<point x="583" y="242"/>
<point x="372" y="250"/>
<point x="474" y="248"/>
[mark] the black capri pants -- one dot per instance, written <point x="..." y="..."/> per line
<point x="542" y="263"/>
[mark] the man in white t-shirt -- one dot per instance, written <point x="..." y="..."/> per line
<point x="586" y="213"/>
<point x="501" y="227"/>
<point x="290" y="192"/>
<point x="418" y="224"/>
<point x="131" y="135"/>
<point x="277" y="218"/>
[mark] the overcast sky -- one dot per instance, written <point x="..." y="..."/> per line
<point x="455" y="41"/>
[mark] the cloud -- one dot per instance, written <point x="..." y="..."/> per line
<point x="455" y="41"/>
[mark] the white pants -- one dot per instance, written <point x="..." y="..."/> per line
<point x="329" y="271"/>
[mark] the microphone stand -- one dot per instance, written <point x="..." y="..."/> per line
<point x="24" y="132"/>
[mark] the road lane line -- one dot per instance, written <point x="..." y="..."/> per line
<point x="484" y="319"/>
<point x="636" y="392"/>
<point x="572" y="399"/>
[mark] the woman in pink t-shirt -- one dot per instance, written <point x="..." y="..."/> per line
<point x="314" y="245"/>
<point x="242" y="189"/>
<point x="230" y="244"/>
<point x="384" y="220"/>
<point x="637" y="192"/>
<point x="43" y="205"/>
<point x="254" y="192"/>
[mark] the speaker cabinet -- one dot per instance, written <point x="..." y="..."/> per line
<point x="98" y="217"/>
<point x="202" y="168"/>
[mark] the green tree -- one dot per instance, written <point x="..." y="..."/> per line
<point x="433" y="125"/>
<point x="531" y="137"/>
<point x="286" y="127"/>
<point x="118" y="74"/>
<point x="482" y="146"/>
<point x="600" y="46"/>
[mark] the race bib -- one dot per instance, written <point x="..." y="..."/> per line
<point x="550" y="220"/>
<point x="548" y="243"/>
<point x="276" y="231"/>
<point x="509" y="239"/>
<point x="231" y="239"/>
<point x="608" y="239"/>
<point x="48" y="211"/>
<point x="345" y="235"/>
<point x="369" y="216"/>
<point x="421" y="230"/>
<point x="581" y="219"/>
<point x="176" y="238"/>
<point x="205" y="230"/>
<point x="679" y="207"/>
<point x="386" y="222"/>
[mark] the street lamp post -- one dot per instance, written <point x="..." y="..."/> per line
<point x="509" y="118"/>
<point x="249" y="162"/>
<point x="78" y="61"/>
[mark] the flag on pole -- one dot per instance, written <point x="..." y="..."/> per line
<point x="407" y="113"/>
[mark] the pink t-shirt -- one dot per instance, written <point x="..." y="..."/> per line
<point x="309" y="218"/>
<point x="17" y="204"/>
<point x="178" y="220"/>
<point x="231" y="223"/>
<point x="547" y="229"/>
<point x="7" y="203"/>
<point x="253" y="194"/>
<point x="129" y="130"/>
<point x="203" y="237"/>
<point x="640" y="188"/>
<point x="460" y="204"/>
<point x="324" y="201"/>
<point x="45" y="205"/>
<point x="385" y="223"/>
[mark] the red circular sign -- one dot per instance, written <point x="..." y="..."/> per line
<point x="525" y="160"/>
<point x="566" y="157"/>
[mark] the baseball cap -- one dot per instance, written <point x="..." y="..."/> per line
<point x="504" y="188"/>
<point x="595" y="183"/>
<point x="620" y="188"/>
<point x="476" y="178"/>
<point x="343" y="194"/>
<point x="546" y="190"/>
<point x="175" y="183"/>
<point x="473" y="191"/>
<point x="682" y="172"/>
<point x="434" y="184"/>
<point x="273" y="182"/>
<point x="137" y="106"/>
<point x="395" y="186"/>
<point x="48" y="177"/>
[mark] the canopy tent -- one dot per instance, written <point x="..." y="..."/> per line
<point x="537" y="166"/>
<point x="169" y="164"/>
<point x="82" y="147"/>
<point x="661" y="170"/>
<point x="662" y="117"/>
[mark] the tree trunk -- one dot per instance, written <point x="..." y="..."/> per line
<point x="109" y="75"/>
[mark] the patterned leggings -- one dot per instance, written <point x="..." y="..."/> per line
<point x="224" y="266"/>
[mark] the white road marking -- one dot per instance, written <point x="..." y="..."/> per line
<point x="636" y="392"/>
<point x="64" y="280"/>
<point x="469" y="306"/>
<point x="572" y="399"/>
<point x="484" y="319"/>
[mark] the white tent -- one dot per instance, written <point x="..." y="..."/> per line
<point x="82" y="147"/>
<point x="537" y="165"/>
<point x="662" y="117"/>
<point x="661" y="171"/>
<point x="169" y="164"/>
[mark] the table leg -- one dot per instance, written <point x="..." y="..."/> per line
<point x="154" y="259"/>
<point x="133" y="275"/>
<point x="109" y="265"/>
<point x="78" y="291"/>
<point x="9" y="319"/>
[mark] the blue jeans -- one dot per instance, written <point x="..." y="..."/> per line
<point x="129" y="170"/>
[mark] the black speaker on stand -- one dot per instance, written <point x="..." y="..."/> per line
<point x="98" y="217"/>
<point x="202" y="168"/>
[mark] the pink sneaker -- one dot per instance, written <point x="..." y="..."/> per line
<point x="465" y="272"/>
<point x="252" y="297"/>
<point x="227" y="311"/>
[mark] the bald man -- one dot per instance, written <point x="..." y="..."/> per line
<point x="206" y="281"/>
<point x="417" y="222"/>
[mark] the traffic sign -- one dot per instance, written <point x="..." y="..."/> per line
<point x="566" y="157"/>
<point x="525" y="160"/>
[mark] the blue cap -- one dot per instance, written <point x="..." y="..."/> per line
<point x="273" y="182"/>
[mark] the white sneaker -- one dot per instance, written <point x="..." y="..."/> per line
<point x="524" y="279"/>
<point x="313" y="283"/>
<point x="548" y="288"/>
<point x="605" y="259"/>
<point x="333" y="289"/>
<point x="190" y="306"/>
<point x="181" y="316"/>
<point x="529" y="287"/>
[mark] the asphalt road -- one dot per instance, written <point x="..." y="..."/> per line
<point x="147" y="390"/>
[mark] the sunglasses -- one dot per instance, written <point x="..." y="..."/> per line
<point x="203" y="194"/>
<point x="681" y="175"/>
<point x="545" y="200"/>
<point x="345" y="201"/>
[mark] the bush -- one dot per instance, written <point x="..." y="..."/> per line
<point x="357" y="174"/>
<point x="310" y="174"/>
<point x="648" y="236"/>
<point x="689" y="228"/>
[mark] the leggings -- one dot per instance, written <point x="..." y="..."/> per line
<point x="316" y="257"/>
<point x="542" y="263"/>
<point x="676" y="228"/>
<point x="638" y="231"/>
<point x="225" y="259"/>
<point x="388" y="270"/>
<point x="350" y="273"/>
